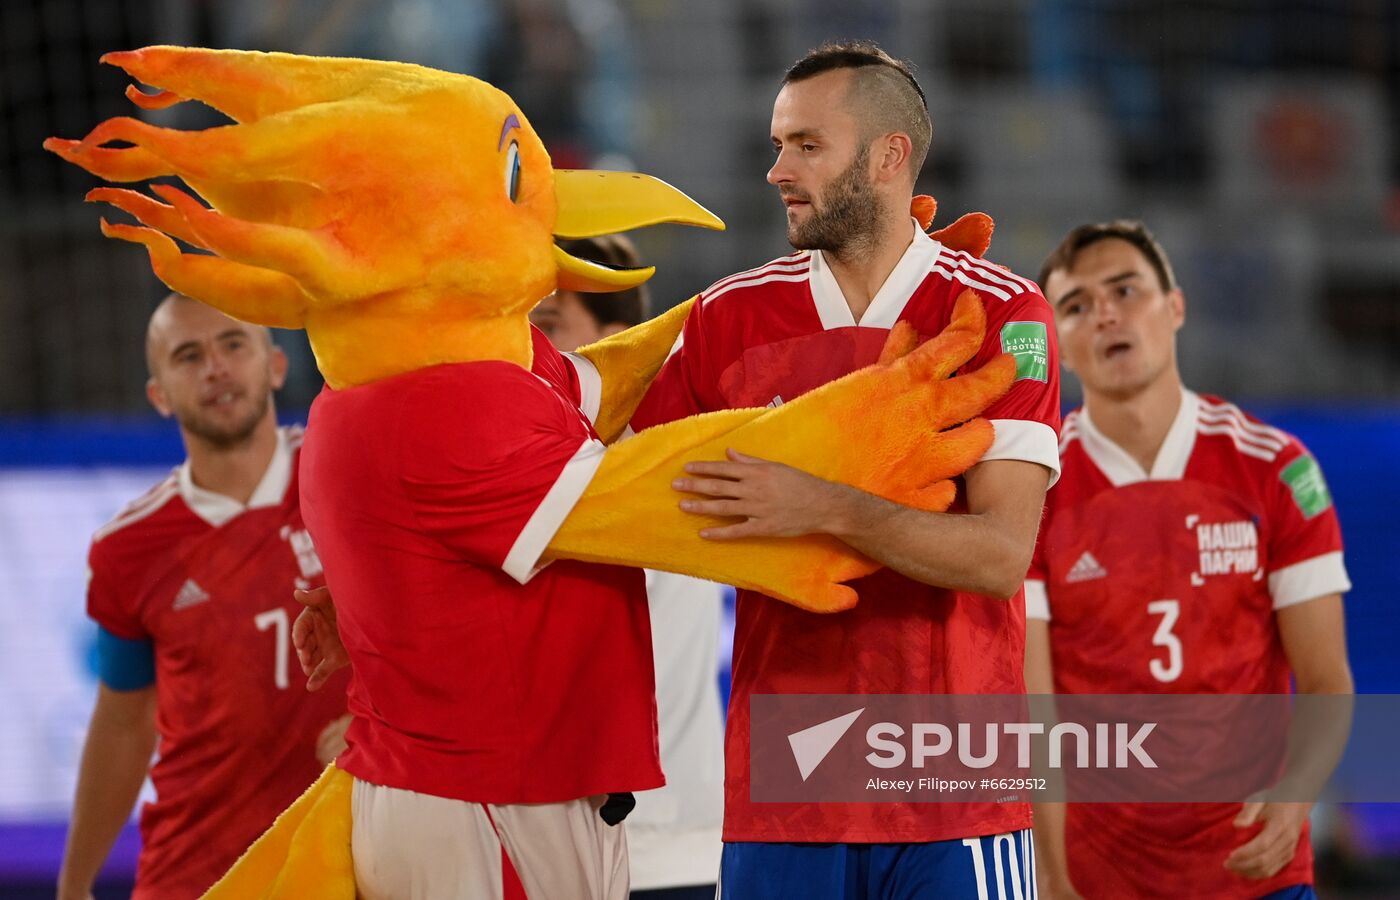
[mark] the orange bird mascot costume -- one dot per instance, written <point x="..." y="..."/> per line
<point x="406" y="218"/>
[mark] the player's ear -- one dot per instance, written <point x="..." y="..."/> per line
<point x="892" y="156"/>
<point x="1176" y="300"/>
<point x="156" y="394"/>
<point x="277" y="367"/>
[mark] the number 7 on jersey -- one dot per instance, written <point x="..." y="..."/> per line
<point x="277" y="617"/>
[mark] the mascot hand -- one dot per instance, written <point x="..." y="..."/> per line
<point x="627" y="362"/>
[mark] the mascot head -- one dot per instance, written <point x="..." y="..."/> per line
<point x="405" y="217"/>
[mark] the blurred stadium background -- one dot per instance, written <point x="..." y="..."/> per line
<point x="1257" y="137"/>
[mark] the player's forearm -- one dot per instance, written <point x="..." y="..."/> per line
<point x="1313" y="639"/>
<point x="1317" y="737"/>
<point x="959" y="551"/>
<point x="1051" y="861"/>
<point x="115" y="759"/>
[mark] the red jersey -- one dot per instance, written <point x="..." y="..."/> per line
<point x="209" y="583"/>
<point x="1167" y="582"/>
<point x="769" y="335"/>
<point x="477" y="676"/>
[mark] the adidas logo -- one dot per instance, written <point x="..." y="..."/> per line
<point x="190" y="594"/>
<point x="776" y="402"/>
<point x="1086" y="569"/>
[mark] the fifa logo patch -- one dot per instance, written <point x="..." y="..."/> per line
<point x="1029" y="343"/>
<point x="1304" y="479"/>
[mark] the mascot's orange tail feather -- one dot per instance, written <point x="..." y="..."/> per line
<point x="306" y="852"/>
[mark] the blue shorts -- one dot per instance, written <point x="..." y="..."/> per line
<point x="1297" y="892"/>
<point x="995" y="867"/>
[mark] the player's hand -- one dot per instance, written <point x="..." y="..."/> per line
<point x="775" y="500"/>
<point x="1273" y="847"/>
<point x="330" y="743"/>
<point x="314" y="635"/>
<point x="1059" y="890"/>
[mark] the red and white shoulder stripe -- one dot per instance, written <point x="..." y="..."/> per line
<point x="1250" y="436"/>
<point x="146" y="505"/>
<point x="980" y="275"/>
<point x="1069" y="430"/>
<point x="794" y="267"/>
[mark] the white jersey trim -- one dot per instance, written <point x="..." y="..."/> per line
<point x="1264" y="435"/>
<point x="885" y="308"/>
<point x="979" y="274"/>
<point x="787" y="263"/>
<point x="1027" y="441"/>
<point x="1308" y="580"/>
<point x="1226" y="419"/>
<point x="544" y="522"/>
<point x="147" y="504"/>
<point x="968" y="281"/>
<point x="1241" y="443"/>
<point x="1069" y="431"/>
<point x="1037" y="600"/>
<point x="796" y="276"/>
<point x="217" y="509"/>
<point x="590" y="385"/>
<point x="1115" y="462"/>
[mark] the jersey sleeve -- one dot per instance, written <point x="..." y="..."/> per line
<point x="687" y="383"/>
<point x="493" y="475"/>
<point x="1305" y="537"/>
<point x="559" y="369"/>
<point x="107" y="603"/>
<point x="1027" y="418"/>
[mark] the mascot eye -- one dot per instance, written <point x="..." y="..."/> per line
<point x="513" y="171"/>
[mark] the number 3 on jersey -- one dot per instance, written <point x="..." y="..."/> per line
<point x="277" y="618"/>
<point x="1170" y="611"/>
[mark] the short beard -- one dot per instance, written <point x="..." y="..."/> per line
<point x="849" y="215"/>
<point x="227" y="437"/>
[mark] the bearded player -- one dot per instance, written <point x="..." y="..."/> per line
<point x="191" y="587"/>
<point x="1189" y="548"/>
<point x="850" y="131"/>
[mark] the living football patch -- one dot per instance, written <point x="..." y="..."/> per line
<point x="1029" y="343"/>
<point x="1304" y="478"/>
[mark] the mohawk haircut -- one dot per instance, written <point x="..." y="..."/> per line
<point x="884" y="95"/>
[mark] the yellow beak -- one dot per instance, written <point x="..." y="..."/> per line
<point x="591" y="203"/>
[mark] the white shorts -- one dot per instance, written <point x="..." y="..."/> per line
<point x="410" y="846"/>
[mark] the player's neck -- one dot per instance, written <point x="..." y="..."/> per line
<point x="862" y="268"/>
<point x="236" y="471"/>
<point x="1139" y="423"/>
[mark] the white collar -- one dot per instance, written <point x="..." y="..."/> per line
<point x="216" y="509"/>
<point x="1170" y="465"/>
<point x="893" y="295"/>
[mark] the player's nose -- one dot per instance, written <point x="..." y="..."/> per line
<point x="780" y="173"/>
<point x="1106" y="312"/>
<point x="216" y="365"/>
